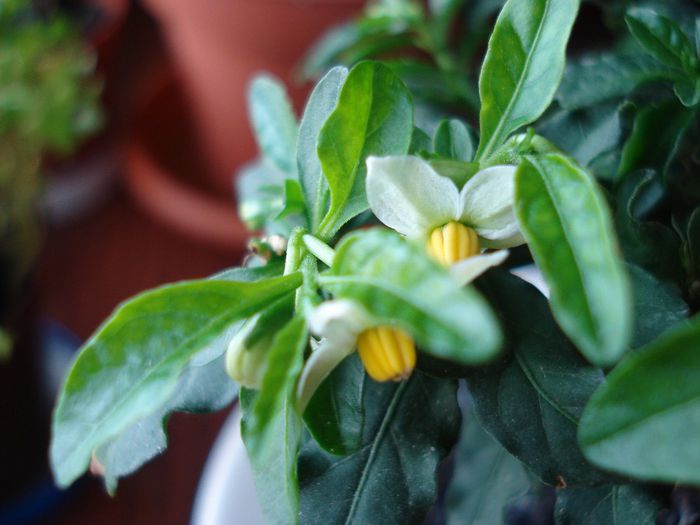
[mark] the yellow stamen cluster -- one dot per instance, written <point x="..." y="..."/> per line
<point x="452" y="242"/>
<point x="388" y="353"/>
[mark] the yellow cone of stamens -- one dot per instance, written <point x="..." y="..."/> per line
<point x="452" y="242"/>
<point x="388" y="353"/>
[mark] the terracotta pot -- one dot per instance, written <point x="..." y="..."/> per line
<point x="218" y="45"/>
<point x="162" y="164"/>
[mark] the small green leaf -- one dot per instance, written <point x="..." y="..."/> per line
<point x="420" y="142"/>
<point x="274" y="122"/>
<point x="374" y="116"/>
<point x="523" y="66"/>
<point x="602" y="77"/>
<point x="131" y="366"/>
<point x="486" y="479"/>
<point x="453" y="140"/>
<point x="321" y="104"/>
<point x="260" y="192"/>
<point x="391" y="478"/>
<point x="614" y="504"/>
<point x="661" y="37"/>
<point x="643" y="421"/>
<point x="531" y="399"/>
<point x="568" y="227"/>
<point x="271" y="427"/>
<point x="397" y="283"/>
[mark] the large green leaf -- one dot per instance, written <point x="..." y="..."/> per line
<point x="391" y="478"/>
<point x="321" y="104"/>
<point x="532" y="399"/>
<point x="567" y="225"/>
<point x="271" y="427"/>
<point x="131" y="366"/>
<point x="523" y="66"/>
<point x="374" y="116"/>
<point x="274" y="122"/>
<point x="602" y="77"/>
<point x="398" y="284"/>
<point x="643" y="421"/>
<point x="486" y="479"/>
<point x="613" y="504"/>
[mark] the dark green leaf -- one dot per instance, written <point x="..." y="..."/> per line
<point x="523" y="66"/>
<point x="613" y="504"/>
<point x="532" y="399"/>
<point x="321" y="104"/>
<point x="131" y="367"/>
<point x="657" y="306"/>
<point x="567" y="225"/>
<point x="453" y="140"/>
<point x="398" y="284"/>
<point x="374" y="116"/>
<point x="420" y="142"/>
<point x="602" y="77"/>
<point x="486" y="479"/>
<point x="643" y="421"/>
<point x="272" y="426"/>
<point x="392" y="477"/>
<point x="274" y="122"/>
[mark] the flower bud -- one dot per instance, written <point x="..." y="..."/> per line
<point x="245" y="362"/>
<point x="388" y="353"/>
<point x="452" y="242"/>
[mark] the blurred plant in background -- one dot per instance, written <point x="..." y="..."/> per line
<point x="48" y="104"/>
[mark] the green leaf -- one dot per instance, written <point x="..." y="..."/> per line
<point x="374" y="116"/>
<point x="321" y="104"/>
<point x="486" y="479"/>
<point x="567" y="224"/>
<point x="523" y="66"/>
<point x="657" y="306"/>
<point x="661" y="37"/>
<point x="398" y="284"/>
<point x="532" y="399"/>
<point x="615" y="504"/>
<point x="260" y="192"/>
<point x="601" y="77"/>
<point x="271" y="428"/>
<point x="202" y="387"/>
<point x="131" y="366"/>
<point x="420" y="142"/>
<point x="453" y="140"/>
<point x="273" y="268"/>
<point x="392" y="477"/>
<point x="274" y="122"/>
<point x="643" y="421"/>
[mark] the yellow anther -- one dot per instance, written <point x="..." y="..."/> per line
<point x="388" y="353"/>
<point x="452" y="242"/>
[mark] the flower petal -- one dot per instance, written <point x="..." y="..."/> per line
<point x="323" y="360"/>
<point x="486" y="203"/>
<point x="466" y="270"/>
<point x="406" y="194"/>
<point x="339" y="321"/>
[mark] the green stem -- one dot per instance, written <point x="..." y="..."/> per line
<point x="319" y="249"/>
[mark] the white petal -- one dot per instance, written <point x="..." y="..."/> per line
<point x="406" y="194"/>
<point x="486" y="202"/>
<point x="466" y="270"/>
<point x="323" y="360"/>
<point x="339" y="321"/>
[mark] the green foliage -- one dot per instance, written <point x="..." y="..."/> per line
<point x="569" y="230"/>
<point x="619" y="504"/>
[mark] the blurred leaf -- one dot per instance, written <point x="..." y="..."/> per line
<point x="486" y="479"/>
<point x="531" y="399"/>
<point x="523" y="67"/>
<point x="274" y="122"/>
<point x="453" y="140"/>
<point x="131" y="367"/>
<point x="420" y="142"/>
<point x="643" y="421"/>
<point x="374" y="116"/>
<point x="391" y="478"/>
<point x="567" y="224"/>
<point x="259" y="188"/>
<point x="398" y="284"/>
<point x="615" y="504"/>
<point x="321" y="104"/>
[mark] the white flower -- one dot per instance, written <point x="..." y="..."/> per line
<point x="409" y="196"/>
